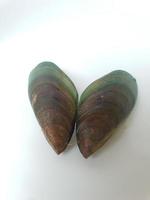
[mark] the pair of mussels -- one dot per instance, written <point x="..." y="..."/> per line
<point x="103" y="105"/>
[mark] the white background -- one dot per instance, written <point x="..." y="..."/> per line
<point x="86" y="39"/>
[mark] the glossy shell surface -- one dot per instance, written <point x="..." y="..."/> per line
<point x="53" y="97"/>
<point x="103" y="105"/>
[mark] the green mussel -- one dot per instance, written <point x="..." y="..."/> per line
<point x="54" y="98"/>
<point x="103" y="105"/>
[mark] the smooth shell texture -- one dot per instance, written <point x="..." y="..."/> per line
<point x="54" y="98"/>
<point x="103" y="105"/>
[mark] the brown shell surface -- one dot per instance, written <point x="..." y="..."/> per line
<point x="54" y="103"/>
<point x="103" y="105"/>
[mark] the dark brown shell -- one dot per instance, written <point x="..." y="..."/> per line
<point x="103" y="105"/>
<point x="53" y="97"/>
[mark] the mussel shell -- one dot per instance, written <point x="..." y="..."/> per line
<point x="103" y="105"/>
<point x="53" y="97"/>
